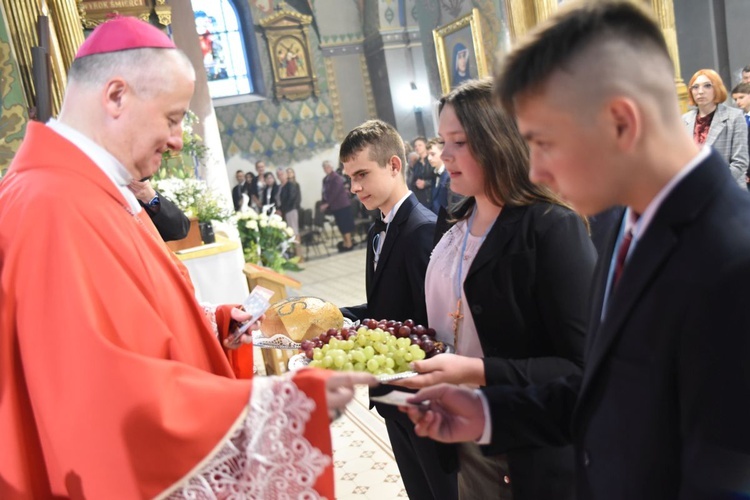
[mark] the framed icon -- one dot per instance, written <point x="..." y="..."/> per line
<point x="460" y="51"/>
<point x="289" y="49"/>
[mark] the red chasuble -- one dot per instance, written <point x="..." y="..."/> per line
<point x="112" y="382"/>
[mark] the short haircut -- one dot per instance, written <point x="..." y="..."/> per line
<point x="268" y="174"/>
<point x="239" y="172"/>
<point x="435" y="141"/>
<point x="746" y="69"/>
<point x="720" y="91"/>
<point x="741" y="88"/>
<point x="149" y="71"/>
<point x="418" y="138"/>
<point x="569" y="38"/>
<point x="382" y="139"/>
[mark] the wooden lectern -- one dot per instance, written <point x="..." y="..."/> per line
<point x="274" y="360"/>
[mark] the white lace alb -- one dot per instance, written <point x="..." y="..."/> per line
<point x="267" y="455"/>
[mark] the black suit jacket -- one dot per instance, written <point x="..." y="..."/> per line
<point x="527" y="290"/>
<point x="237" y="195"/>
<point x="274" y="197"/>
<point x="170" y="221"/>
<point x="396" y="289"/>
<point x="290" y="197"/>
<point x="662" y="409"/>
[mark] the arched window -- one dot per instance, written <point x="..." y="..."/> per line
<point x="230" y="55"/>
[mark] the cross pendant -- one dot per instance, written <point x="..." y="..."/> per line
<point x="456" y="317"/>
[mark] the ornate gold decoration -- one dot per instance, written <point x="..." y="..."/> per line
<point x="467" y="31"/>
<point x="65" y="38"/>
<point x="664" y="10"/>
<point x="372" y="111"/>
<point x="521" y="17"/>
<point x="288" y="38"/>
<point x="95" y="12"/>
<point x="163" y="12"/>
<point x="544" y="9"/>
<point x="333" y="91"/>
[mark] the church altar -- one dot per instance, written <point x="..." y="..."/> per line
<point x="216" y="271"/>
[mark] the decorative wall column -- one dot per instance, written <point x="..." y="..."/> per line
<point x="66" y="35"/>
<point x="521" y="17"/>
<point x="664" y="10"/>
<point x="545" y="9"/>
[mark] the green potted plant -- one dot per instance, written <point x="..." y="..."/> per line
<point x="267" y="240"/>
<point x="193" y="197"/>
<point x="208" y="207"/>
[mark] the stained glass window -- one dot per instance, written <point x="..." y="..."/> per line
<point x="221" y="39"/>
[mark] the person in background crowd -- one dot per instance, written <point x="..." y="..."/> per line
<point x="255" y="189"/>
<point x="412" y="158"/>
<point x="296" y="197"/>
<point x="442" y="196"/>
<point x="169" y="220"/>
<point x="423" y="177"/>
<point x="746" y="74"/>
<point x="134" y="393"/>
<point x="665" y="377"/>
<point x="336" y="202"/>
<point x="290" y="198"/>
<point x="716" y="124"/>
<point x="239" y="190"/>
<point x="741" y="96"/>
<point x="270" y="193"/>
<point x="347" y="181"/>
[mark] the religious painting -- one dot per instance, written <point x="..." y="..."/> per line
<point x="460" y="51"/>
<point x="289" y="57"/>
<point x="286" y="33"/>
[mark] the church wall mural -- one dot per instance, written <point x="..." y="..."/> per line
<point x="281" y="132"/>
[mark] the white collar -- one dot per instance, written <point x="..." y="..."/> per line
<point x="441" y="169"/>
<point x="387" y="218"/>
<point x="112" y="168"/>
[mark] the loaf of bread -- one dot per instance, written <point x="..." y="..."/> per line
<point x="301" y="318"/>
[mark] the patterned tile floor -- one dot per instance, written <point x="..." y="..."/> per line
<point x="363" y="461"/>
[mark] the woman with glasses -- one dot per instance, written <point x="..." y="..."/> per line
<point x="716" y="124"/>
<point x="507" y="285"/>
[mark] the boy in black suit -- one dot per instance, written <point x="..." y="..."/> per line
<point x="398" y="251"/>
<point x="661" y="412"/>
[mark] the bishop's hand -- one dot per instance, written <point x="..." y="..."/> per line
<point x="340" y="390"/>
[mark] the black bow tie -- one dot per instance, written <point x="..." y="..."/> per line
<point x="379" y="226"/>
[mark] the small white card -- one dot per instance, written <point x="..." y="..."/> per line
<point x="398" y="398"/>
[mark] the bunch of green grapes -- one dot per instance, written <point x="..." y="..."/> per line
<point x="371" y="350"/>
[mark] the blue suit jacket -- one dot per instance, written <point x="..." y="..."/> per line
<point x="441" y="193"/>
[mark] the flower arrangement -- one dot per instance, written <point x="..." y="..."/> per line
<point x="267" y="240"/>
<point x="183" y="164"/>
<point x="193" y="197"/>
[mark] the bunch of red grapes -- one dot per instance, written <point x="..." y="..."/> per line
<point x="419" y="335"/>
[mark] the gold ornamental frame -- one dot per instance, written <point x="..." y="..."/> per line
<point x="288" y="39"/>
<point x="464" y="32"/>
<point x="95" y="12"/>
